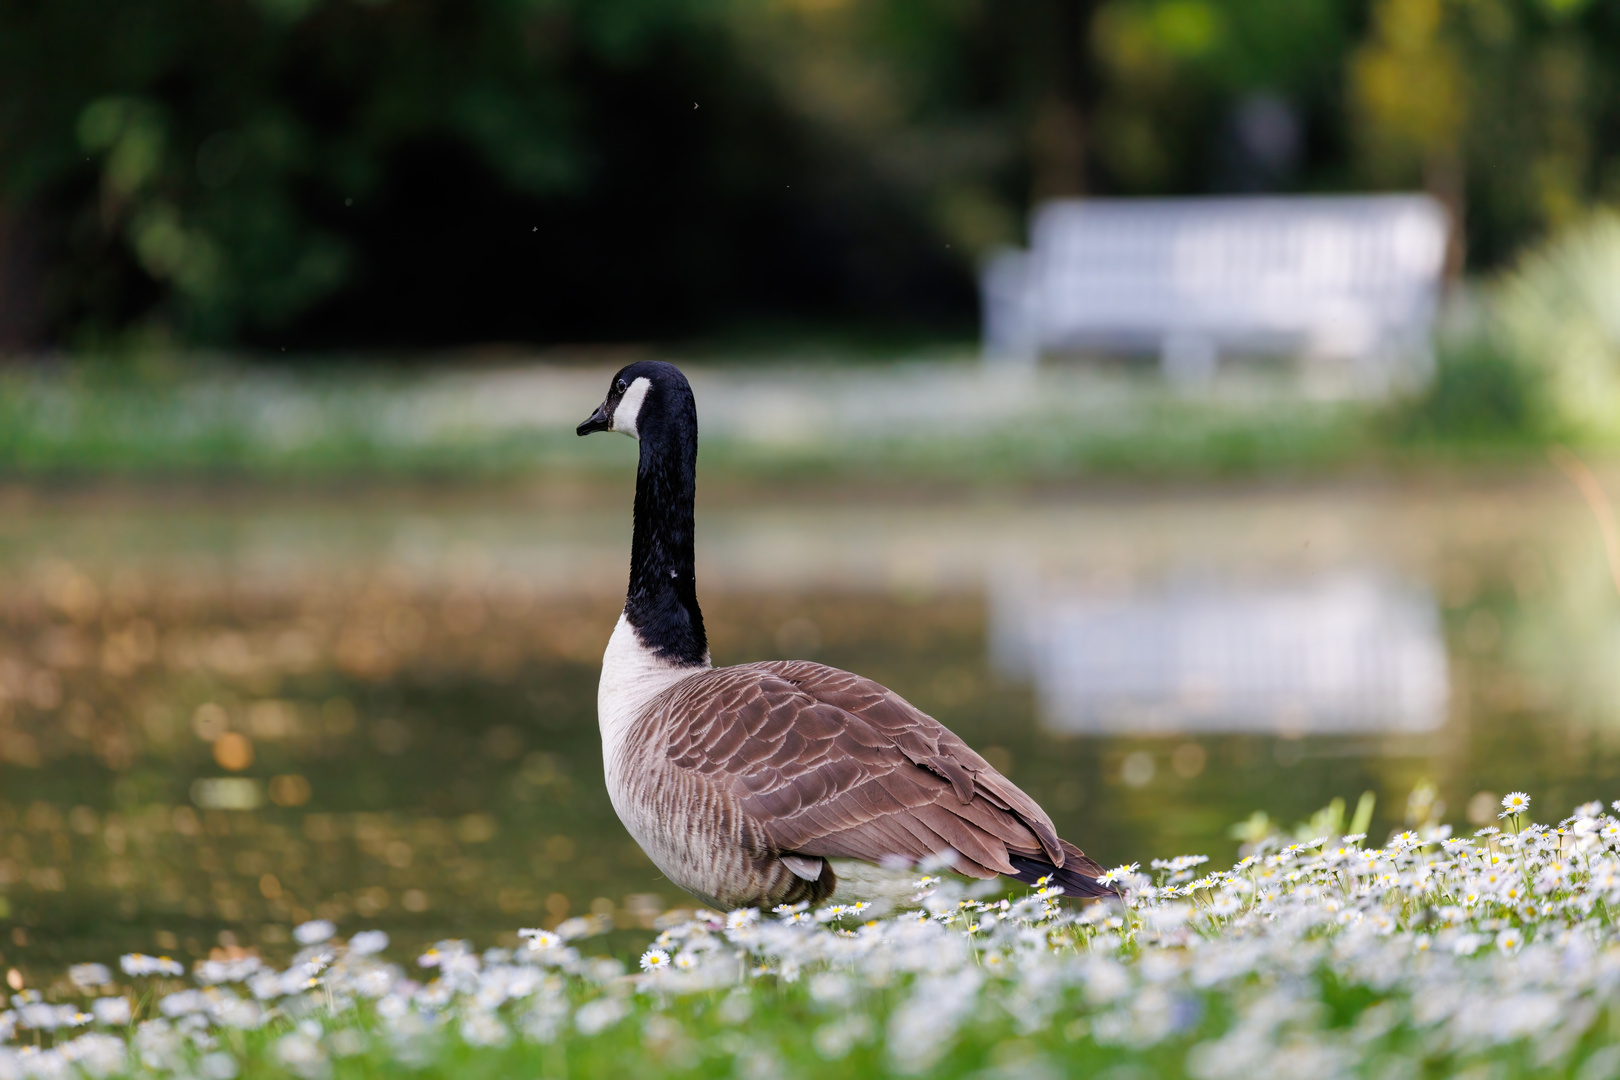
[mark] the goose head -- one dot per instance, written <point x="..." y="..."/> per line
<point x="642" y="400"/>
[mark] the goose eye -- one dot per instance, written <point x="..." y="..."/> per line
<point x="620" y="386"/>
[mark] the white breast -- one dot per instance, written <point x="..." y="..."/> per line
<point x="632" y="675"/>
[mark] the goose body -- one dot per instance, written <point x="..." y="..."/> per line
<point x="740" y="783"/>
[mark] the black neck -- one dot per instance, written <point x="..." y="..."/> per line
<point x="662" y="600"/>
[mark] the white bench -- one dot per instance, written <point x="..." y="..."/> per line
<point x="1353" y="280"/>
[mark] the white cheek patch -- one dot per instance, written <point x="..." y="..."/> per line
<point x="624" y="417"/>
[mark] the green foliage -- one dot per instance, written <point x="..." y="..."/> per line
<point x="1559" y="313"/>
<point x="1328" y="821"/>
<point x="213" y="145"/>
<point x="222" y="171"/>
<point x="1543" y="363"/>
<point x="1480" y="393"/>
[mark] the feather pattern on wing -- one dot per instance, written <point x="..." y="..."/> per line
<point x="821" y="762"/>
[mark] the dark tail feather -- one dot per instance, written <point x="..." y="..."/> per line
<point x="1078" y="875"/>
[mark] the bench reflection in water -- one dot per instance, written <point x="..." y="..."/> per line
<point x="1343" y="653"/>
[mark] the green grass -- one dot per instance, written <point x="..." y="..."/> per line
<point x="346" y="423"/>
<point x="98" y="421"/>
<point x="779" y="1034"/>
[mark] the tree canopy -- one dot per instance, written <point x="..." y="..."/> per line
<point x="375" y="173"/>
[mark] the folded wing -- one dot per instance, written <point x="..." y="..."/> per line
<point x="827" y="763"/>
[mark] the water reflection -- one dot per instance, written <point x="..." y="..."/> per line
<point x="1342" y="652"/>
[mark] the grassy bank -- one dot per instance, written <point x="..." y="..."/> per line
<point x="1315" y="956"/>
<point x="943" y="419"/>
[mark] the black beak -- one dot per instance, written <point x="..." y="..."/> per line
<point x="598" y="421"/>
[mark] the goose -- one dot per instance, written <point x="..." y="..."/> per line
<point x="741" y="783"/>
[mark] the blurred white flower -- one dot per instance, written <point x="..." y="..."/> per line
<point x="112" y="1011"/>
<point x="831" y="988"/>
<point x="218" y="1066"/>
<point x="540" y="940"/>
<point x="89" y="976"/>
<point x="314" y="932"/>
<point x="368" y="943"/>
<point x="223" y="971"/>
<point x="603" y="969"/>
<point x="139" y="964"/>
<point x="483" y="1028"/>
<point x="594" y="1017"/>
<point x="302" y="1054"/>
<point x="1184" y="862"/>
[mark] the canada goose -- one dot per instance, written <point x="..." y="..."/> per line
<point x="741" y="782"/>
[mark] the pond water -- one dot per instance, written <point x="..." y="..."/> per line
<point x="223" y="715"/>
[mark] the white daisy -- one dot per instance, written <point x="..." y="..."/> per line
<point x="1514" y="802"/>
<point x="540" y="940"/>
<point x="1118" y="873"/>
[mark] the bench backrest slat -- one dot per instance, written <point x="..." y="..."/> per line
<point x="1287" y="272"/>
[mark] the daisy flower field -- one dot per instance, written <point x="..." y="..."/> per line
<point x="1492" y="955"/>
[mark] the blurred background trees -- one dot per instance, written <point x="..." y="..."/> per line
<point x="299" y="174"/>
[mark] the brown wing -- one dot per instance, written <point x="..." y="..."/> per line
<point x="828" y="763"/>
